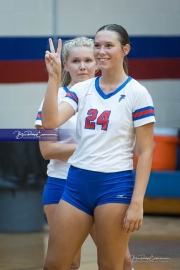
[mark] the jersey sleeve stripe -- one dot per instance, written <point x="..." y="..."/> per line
<point x="143" y="112"/>
<point x="66" y="89"/>
<point x="39" y="116"/>
<point x="72" y="96"/>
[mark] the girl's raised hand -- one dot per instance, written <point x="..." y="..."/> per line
<point x="53" y="59"/>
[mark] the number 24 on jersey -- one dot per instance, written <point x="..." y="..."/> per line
<point x="93" y="119"/>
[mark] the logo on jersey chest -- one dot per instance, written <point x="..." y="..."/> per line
<point x="122" y="97"/>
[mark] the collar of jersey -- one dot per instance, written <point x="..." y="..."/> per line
<point x="106" y="96"/>
<point x="66" y="89"/>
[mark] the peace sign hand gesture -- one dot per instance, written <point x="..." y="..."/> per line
<point x="53" y="59"/>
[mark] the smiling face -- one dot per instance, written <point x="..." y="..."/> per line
<point x="80" y="64"/>
<point x="108" y="51"/>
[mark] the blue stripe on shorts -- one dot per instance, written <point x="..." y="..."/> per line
<point x="87" y="189"/>
<point x="53" y="190"/>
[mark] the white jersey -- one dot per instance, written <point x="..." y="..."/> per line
<point x="106" y="124"/>
<point x="67" y="134"/>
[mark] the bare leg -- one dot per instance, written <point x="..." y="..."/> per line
<point x="127" y="261"/>
<point x="112" y="241"/>
<point x="49" y="211"/>
<point x="69" y="228"/>
<point x="93" y="234"/>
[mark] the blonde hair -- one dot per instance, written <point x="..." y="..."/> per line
<point x="68" y="46"/>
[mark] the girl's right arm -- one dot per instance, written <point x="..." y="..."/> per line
<point x="56" y="150"/>
<point x="52" y="114"/>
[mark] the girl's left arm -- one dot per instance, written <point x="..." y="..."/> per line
<point x="144" y="144"/>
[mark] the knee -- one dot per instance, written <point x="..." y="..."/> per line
<point x="49" y="265"/>
<point x="105" y="266"/>
<point x="75" y="265"/>
<point x="127" y="263"/>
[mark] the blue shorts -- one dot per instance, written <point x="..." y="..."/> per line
<point x="87" y="189"/>
<point x="53" y="190"/>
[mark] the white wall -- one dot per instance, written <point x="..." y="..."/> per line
<point x="25" y="17"/>
<point x="80" y="17"/>
<point x="20" y="104"/>
<point x="166" y="98"/>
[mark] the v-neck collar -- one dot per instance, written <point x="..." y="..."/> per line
<point x="106" y="96"/>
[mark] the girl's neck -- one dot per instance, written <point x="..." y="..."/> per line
<point x="110" y="81"/>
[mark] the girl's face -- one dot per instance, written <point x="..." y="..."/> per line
<point x="108" y="51"/>
<point x="80" y="64"/>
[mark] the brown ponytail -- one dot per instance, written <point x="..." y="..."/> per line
<point x="125" y="65"/>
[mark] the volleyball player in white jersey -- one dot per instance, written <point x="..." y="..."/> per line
<point x="79" y="62"/>
<point x="113" y="111"/>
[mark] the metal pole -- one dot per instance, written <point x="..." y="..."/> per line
<point x="55" y="35"/>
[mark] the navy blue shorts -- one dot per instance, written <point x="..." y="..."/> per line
<point x="53" y="190"/>
<point x="87" y="189"/>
